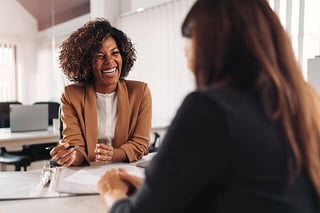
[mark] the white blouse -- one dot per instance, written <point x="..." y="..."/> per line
<point x="107" y="116"/>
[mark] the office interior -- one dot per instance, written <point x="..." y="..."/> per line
<point x="34" y="30"/>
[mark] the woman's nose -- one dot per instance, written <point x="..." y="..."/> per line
<point x="107" y="58"/>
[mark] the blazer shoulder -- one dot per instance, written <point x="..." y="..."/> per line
<point x="74" y="88"/>
<point x="75" y="92"/>
<point x="135" y="85"/>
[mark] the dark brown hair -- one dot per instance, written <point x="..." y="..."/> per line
<point x="242" y="44"/>
<point x="78" y="51"/>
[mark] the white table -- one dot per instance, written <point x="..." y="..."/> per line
<point x="24" y="194"/>
<point x="27" y="183"/>
<point x="79" y="204"/>
<point x="8" y="138"/>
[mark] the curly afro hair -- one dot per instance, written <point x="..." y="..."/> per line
<point x="78" y="51"/>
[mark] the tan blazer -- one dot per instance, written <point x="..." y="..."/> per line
<point x="132" y="131"/>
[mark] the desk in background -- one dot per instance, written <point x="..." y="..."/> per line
<point x="15" y="139"/>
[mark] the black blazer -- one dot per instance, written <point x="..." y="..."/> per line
<point x="221" y="154"/>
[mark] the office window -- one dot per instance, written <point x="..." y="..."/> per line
<point x="299" y="17"/>
<point x="8" y="72"/>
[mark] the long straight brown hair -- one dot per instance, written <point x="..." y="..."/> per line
<point x="242" y="42"/>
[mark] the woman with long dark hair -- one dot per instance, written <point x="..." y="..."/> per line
<point x="248" y="138"/>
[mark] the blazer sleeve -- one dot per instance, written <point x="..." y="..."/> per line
<point x="72" y="118"/>
<point x="138" y="142"/>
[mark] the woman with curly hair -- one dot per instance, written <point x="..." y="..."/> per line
<point x="106" y="118"/>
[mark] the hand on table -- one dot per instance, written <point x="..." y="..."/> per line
<point x="104" y="152"/>
<point x="116" y="184"/>
<point x="133" y="181"/>
<point x="111" y="187"/>
<point x="63" y="155"/>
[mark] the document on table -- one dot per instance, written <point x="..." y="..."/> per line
<point x="24" y="185"/>
<point x="83" y="180"/>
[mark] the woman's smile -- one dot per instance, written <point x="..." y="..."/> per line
<point x="107" y="66"/>
<point x="109" y="71"/>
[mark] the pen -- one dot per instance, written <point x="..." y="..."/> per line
<point x="50" y="147"/>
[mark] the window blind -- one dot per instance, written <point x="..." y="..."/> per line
<point x="161" y="62"/>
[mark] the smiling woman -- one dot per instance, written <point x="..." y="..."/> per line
<point x="107" y="66"/>
<point x="107" y="117"/>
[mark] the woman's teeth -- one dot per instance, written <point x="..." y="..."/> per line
<point x="109" y="71"/>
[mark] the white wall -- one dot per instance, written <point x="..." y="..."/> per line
<point x="51" y="79"/>
<point x="19" y="27"/>
<point x="14" y="20"/>
<point x="128" y="6"/>
<point x="109" y="9"/>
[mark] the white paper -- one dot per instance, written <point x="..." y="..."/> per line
<point x="85" y="179"/>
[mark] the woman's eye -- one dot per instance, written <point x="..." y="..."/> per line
<point x="100" y="56"/>
<point x="116" y="53"/>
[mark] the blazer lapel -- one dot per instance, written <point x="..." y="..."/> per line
<point x="122" y="125"/>
<point x="91" y="120"/>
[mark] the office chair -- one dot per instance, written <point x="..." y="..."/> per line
<point x="17" y="158"/>
<point x="38" y="152"/>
